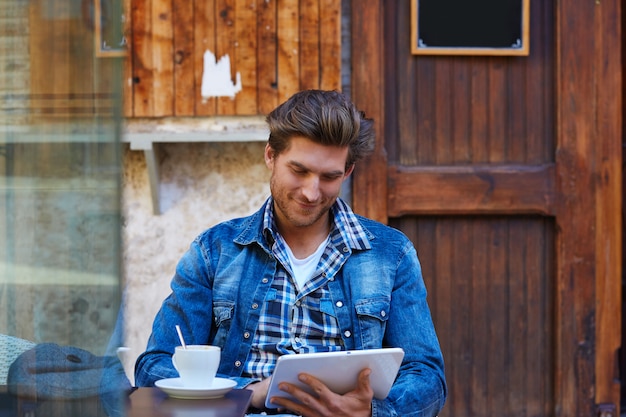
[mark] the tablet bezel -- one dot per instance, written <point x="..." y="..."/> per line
<point x="338" y="370"/>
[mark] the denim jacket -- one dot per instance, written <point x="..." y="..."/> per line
<point x="378" y="297"/>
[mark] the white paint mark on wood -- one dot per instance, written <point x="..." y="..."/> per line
<point x="216" y="80"/>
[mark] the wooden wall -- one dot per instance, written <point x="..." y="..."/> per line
<point x="278" y="47"/>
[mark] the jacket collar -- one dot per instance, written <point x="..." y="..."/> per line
<point x="260" y="227"/>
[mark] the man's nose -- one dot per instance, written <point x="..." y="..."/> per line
<point x="311" y="188"/>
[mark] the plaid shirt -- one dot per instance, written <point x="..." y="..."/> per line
<point x="302" y="322"/>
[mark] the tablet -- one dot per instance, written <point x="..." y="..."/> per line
<point x="338" y="370"/>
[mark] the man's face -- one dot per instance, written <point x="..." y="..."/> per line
<point x="305" y="181"/>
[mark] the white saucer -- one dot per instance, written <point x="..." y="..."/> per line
<point x="175" y="389"/>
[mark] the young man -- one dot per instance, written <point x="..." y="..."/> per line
<point x="305" y="274"/>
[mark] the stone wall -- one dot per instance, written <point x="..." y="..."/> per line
<point x="201" y="184"/>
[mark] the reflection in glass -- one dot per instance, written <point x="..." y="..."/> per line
<point x="59" y="182"/>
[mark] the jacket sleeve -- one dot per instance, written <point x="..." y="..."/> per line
<point x="189" y="305"/>
<point x="420" y="387"/>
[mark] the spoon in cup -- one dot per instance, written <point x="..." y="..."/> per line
<point x="180" y="336"/>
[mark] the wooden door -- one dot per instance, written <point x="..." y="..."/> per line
<point x="505" y="173"/>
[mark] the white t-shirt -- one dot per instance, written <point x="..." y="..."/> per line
<point x="303" y="269"/>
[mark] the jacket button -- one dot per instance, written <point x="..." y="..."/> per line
<point x="237" y="364"/>
<point x="265" y="280"/>
<point x="255" y="306"/>
<point x="246" y="335"/>
<point x="347" y="333"/>
<point x="339" y="304"/>
<point x="383" y="313"/>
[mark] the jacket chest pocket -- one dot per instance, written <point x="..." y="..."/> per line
<point x="222" y="319"/>
<point x="372" y="315"/>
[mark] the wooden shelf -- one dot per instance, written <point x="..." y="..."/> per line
<point x="143" y="133"/>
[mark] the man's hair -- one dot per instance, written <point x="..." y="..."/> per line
<point x="326" y="117"/>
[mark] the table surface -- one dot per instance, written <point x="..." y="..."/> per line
<point x="152" y="402"/>
<point x="142" y="402"/>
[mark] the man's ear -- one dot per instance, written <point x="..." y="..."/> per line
<point x="269" y="156"/>
<point x="349" y="171"/>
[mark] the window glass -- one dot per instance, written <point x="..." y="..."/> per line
<point x="59" y="185"/>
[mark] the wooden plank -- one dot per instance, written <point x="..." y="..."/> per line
<point x="443" y="111"/>
<point x="460" y="103"/>
<point x="267" y="64"/>
<point x="162" y="58"/>
<point x="425" y="115"/>
<point x="246" y="56"/>
<point x="516" y="117"/>
<point x="540" y="140"/>
<point x="576" y="216"/>
<point x="391" y="130"/>
<point x="226" y="38"/>
<point x="143" y="72"/>
<point x="443" y="272"/>
<point x="368" y="94"/>
<point x="458" y="235"/>
<point x="480" y="347"/>
<point x="184" y="73"/>
<point x="498" y="84"/>
<point x="310" y="40"/>
<point x="609" y="197"/>
<point x="518" y="282"/>
<point x="406" y="152"/>
<point x="127" y="82"/>
<point x="538" y="267"/>
<point x="498" y="363"/>
<point x="204" y="27"/>
<point x="472" y="190"/>
<point x="288" y="48"/>
<point x="479" y="125"/>
<point x="330" y="45"/>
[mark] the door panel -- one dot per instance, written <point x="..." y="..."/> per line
<point x="490" y="292"/>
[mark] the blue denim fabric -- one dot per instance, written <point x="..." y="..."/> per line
<point x="378" y="296"/>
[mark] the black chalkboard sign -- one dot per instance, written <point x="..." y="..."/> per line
<point x="470" y="27"/>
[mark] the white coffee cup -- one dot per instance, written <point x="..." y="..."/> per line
<point x="197" y="364"/>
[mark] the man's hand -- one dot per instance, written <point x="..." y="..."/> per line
<point x="325" y="403"/>
<point x="259" y="392"/>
